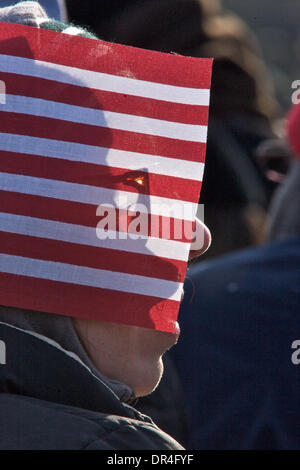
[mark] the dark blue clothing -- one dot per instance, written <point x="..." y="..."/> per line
<point x="239" y="318"/>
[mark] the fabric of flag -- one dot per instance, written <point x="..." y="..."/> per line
<point x="87" y="125"/>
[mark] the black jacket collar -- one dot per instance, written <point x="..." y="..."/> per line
<point x="39" y="368"/>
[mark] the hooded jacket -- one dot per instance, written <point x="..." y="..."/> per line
<point x="50" y="400"/>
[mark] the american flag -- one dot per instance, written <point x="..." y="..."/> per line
<point x="86" y="125"/>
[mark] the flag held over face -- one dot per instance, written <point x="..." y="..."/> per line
<point x="102" y="146"/>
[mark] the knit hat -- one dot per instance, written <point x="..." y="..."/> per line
<point x="31" y="13"/>
<point x="55" y="9"/>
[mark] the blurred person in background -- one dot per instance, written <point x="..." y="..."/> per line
<point x="241" y="327"/>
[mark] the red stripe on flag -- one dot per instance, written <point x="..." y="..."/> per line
<point x="85" y="215"/>
<point x="36" y="126"/>
<point x="87" y="302"/>
<point x="99" y="176"/>
<point x="137" y="67"/>
<point x="34" y="87"/>
<point x="113" y="58"/>
<point x="48" y="208"/>
<point x="92" y="257"/>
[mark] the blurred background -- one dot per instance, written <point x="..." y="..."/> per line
<point x="276" y="25"/>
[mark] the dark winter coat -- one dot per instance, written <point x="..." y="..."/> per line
<point x="241" y="332"/>
<point x="50" y="400"/>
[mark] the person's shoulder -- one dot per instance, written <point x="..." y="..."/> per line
<point x="264" y="272"/>
<point x="30" y="423"/>
<point x="287" y="250"/>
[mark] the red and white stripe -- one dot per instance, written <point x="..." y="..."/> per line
<point x="78" y="117"/>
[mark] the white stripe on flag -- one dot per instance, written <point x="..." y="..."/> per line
<point x="104" y="81"/>
<point x="101" y="156"/>
<point x="92" y="277"/>
<point x="102" y="118"/>
<point x="81" y="235"/>
<point x="97" y="196"/>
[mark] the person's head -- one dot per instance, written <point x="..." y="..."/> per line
<point x="122" y="352"/>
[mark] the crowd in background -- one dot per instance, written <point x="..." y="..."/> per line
<point x="276" y="26"/>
